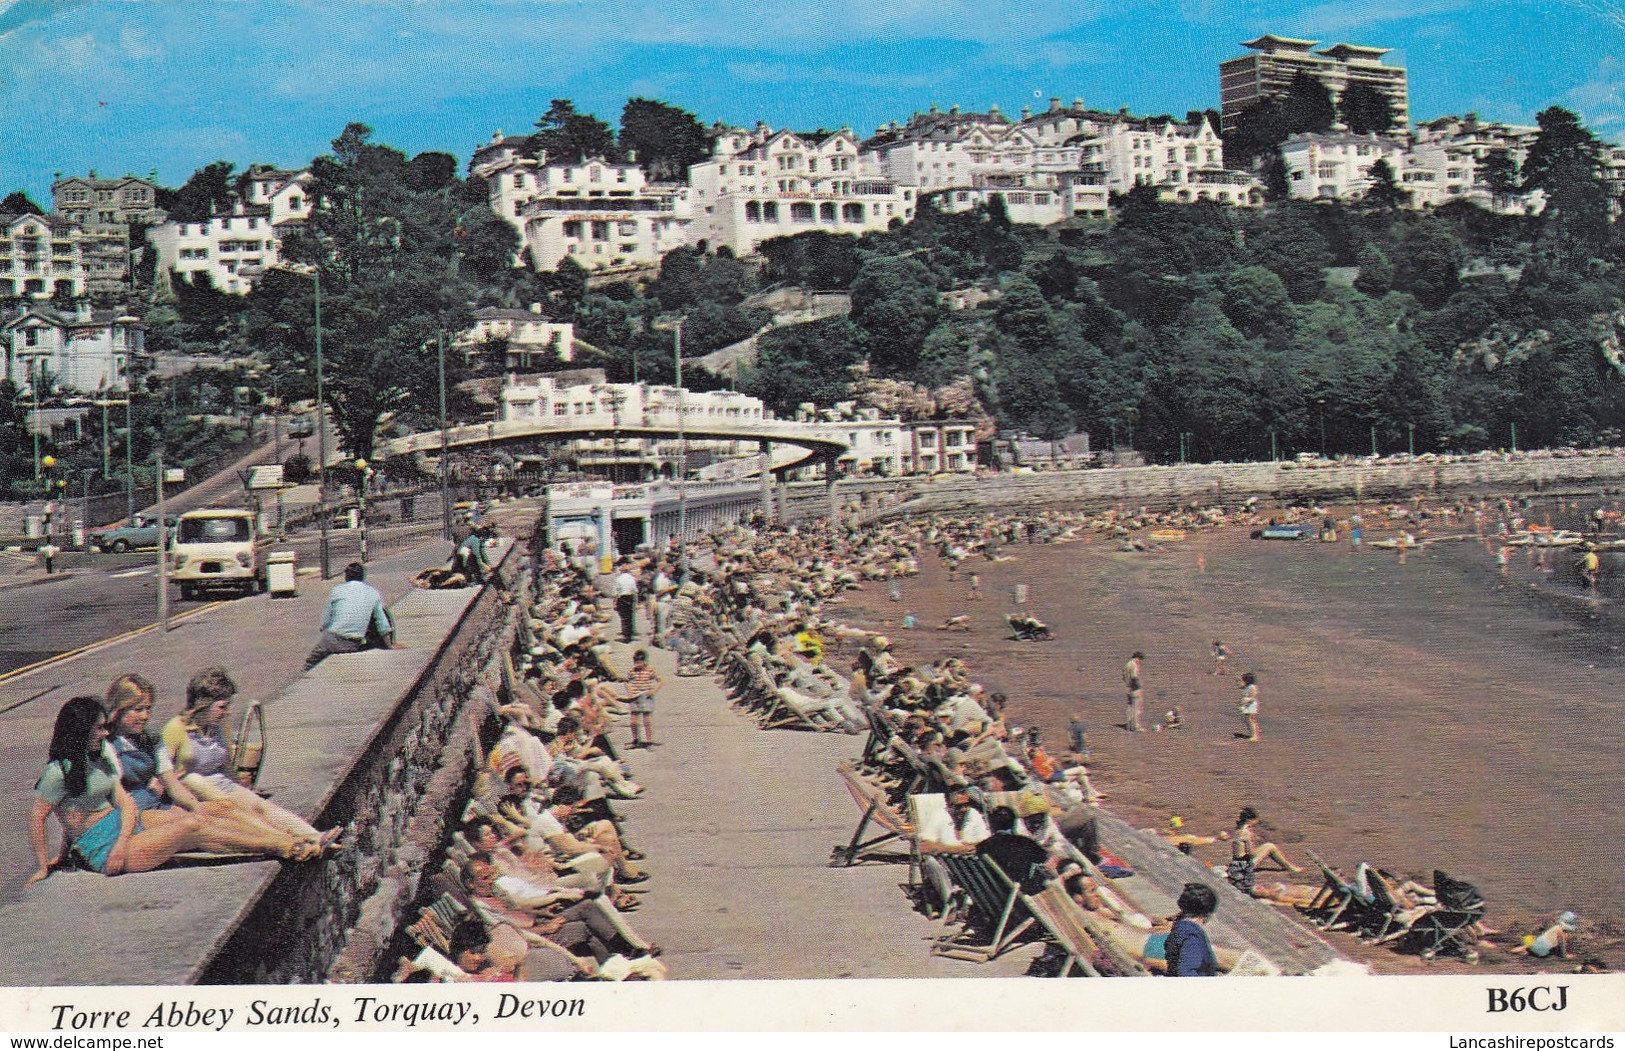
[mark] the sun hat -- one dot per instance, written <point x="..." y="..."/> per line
<point x="1031" y="804"/>
<point x="1568" y="921"/>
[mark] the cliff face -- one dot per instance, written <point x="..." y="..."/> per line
<point x="914" y="401"/>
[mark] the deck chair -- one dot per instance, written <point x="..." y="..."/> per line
<point x="877" y="810"/>
<point x="1338" y="903"/>
<point x="1448" y="925"/>
<point x="996" y="913"/>
<point x="1063" y="919"/>
<point x="1388" y="919"/>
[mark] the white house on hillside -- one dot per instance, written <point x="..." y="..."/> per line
<point x="534" y="339"/>
<point x="41" y="257"/>
<point x="760" y="184"/>
<point x="82" y="350"/>
<point x="233" y="249"/>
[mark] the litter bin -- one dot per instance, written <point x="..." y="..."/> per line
<point x="280" y="576"/>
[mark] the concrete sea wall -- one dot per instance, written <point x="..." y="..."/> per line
<point x="1166" y="486"/>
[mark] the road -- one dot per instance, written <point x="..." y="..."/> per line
<point x="119" y="594"/>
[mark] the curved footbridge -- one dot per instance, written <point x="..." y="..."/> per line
<point x="786" y="443"/>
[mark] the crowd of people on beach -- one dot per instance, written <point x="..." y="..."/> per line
<point x="540" y="881"/>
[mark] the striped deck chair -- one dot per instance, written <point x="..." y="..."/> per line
<point x="1064" y="921"/>
<point x="1337" y="903"/>
<point x="877" y="810"/>
<point x="997" y="912"/>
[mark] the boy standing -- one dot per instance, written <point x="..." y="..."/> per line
<point x="641" y="686"/>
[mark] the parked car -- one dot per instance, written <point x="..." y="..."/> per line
<point x="301" y="427"/>
<point x="142" y="531"/>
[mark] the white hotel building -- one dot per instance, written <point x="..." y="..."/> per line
<point x="1443" y="165"/>
<point x="760" y="184"/>
<point x="233" y="249"/>
<point x="601" y="214"/>
<point x="1061" y="163"/>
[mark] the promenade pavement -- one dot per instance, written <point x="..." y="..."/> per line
<point x="738" y="824"/>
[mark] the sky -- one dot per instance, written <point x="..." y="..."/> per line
<point x="136" y="86"/>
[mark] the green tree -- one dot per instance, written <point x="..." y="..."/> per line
<point x="1365" y="110"/>
<point x="568" y="137"/>
<point x="818" y="260"/>
<point x="804" y="363"/>
<point x="1376" y="272"/>
<point x="1056" y="276"/>
<point x="1427" y="264"/>
<point x="1294" y="251"/>
<point x="16" y="448"/>
<point x="1499" y="174"/>
<point x="666" y="140"/>
<point x="19" y="203"/>
<point x="209" y="191"/>
<point x="486" y="247"/>
<point x="894" y="306"/>
<point x="1256" y="301"/>
<point x="1562" y="142"/>
<point x="1385" y="191"/>
<point x="430" y="171"/>
<point x="388" y="286"/>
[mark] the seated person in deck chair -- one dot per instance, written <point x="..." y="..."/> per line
<point x="1027" y="863"/>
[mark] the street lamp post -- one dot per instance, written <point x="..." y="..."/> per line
<point x="445" y="499"/>
<point x="1410" y="438"/>
<point x="1322" y="403"/>
<point x="1274" y="457"/>
<point x="36" y="377"/>
<point x="46" y="463"/>
<point x="1373" y="441"/>
<point x="1514" y="438"/>
<point x="129" y="454"/>
<point x="361" y="503"/>
<point x="321" y="428"/>
<point x="682" y="444"/>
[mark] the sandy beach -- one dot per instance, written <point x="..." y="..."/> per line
<point x="1419" y="715"/>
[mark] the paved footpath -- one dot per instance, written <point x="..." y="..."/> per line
<point x="738" y="824"/>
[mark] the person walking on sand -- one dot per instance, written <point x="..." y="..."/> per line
<point x="1131" y="680"/>
<point x="1221" y="653"/>
<point x="975" y="586"/>
<point x="1249" y="704"/>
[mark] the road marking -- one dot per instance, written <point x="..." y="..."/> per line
<point x="61" y="658"/>
<point x="130" y="573"/>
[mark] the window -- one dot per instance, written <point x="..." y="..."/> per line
<point x="561" y="409"/>
<point x="801" y="212"/>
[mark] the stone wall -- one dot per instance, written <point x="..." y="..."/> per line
<point x="1166" y="486"/>
<point x="332" y="921"/>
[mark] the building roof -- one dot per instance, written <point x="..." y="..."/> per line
<point x="101" y="184"/>
<point x="509" y="314"/>
<point x="1348" y="51"/>
<point x="58" y="319"/>
<point x="1271" y="42"/>
<point x="55" y="222"/>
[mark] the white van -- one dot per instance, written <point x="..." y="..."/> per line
<point x="217" y="548"/>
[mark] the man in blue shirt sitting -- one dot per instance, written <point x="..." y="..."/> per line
<point x="355" y="610"/>
<point x="1188" y="951"/>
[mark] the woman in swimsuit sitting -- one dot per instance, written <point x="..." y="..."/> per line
<point x="195" y="741"/>
<point x="148" y="775"/>
<point x="1246" y="856"/>
<point x="80" y="785"/>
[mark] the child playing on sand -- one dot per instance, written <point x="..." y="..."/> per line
<point x="1221" y="653"/>
<point x="1249" y="703"/>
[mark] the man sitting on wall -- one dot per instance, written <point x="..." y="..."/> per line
<point x="355" y="618"/>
